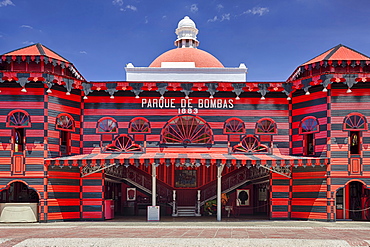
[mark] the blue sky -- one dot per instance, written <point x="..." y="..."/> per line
<point x="101" y="36"/>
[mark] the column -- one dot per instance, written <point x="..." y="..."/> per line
<point x="219" y="176"/>
<point x="154" y="185"/>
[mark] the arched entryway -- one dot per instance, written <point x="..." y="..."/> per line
<point x="19" y="203"/>
<point x="18" y="192"/>
<point x="353" y="201"/>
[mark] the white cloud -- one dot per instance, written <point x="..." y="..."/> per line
<point x="28" y="42"/>
<point x="257" y="11"/>
<point x="194" y="8"/>
<point x="118" y="2"/>
<point x="83" y="52"/>
<point x="132" y="7"/>
<point x="129" y="7"/>
<point x="26" y="26"/>
<point x="213" y="19"/>
<point x="146" y="20"/>
<point x="223" y="17"/>
<point x="219" y="7"/>
<point x="6" y="3"/>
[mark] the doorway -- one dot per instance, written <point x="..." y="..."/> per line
<point x="18" y="192"/>
<point x="353" y="202"/>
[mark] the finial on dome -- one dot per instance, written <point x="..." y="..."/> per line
<point x="186" y="34"/>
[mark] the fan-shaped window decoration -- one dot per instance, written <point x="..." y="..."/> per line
<point x="265" y="126"/>
<point x="107" y="125"/>
<point x="309" y="125"/>
<point x="234" y="126"/>
<point x="250" y="144"/>
<point x="187" y="129"/>
<point x="123" y="144"/>
<point x="65" y="122"/>
<point x="139" y="125"/>
<point x="18" y="119"/>
<point x="355" y="122"/>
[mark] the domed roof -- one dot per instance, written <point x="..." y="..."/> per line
<point x="186" y="22"/>
<point x="202" y="59"/>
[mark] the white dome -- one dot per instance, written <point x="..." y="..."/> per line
<point x="186" y="22"/>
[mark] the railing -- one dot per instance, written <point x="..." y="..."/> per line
<point x="143" y="180"/>
<point x="229" y="182"/>
<point x="166" y="194"/>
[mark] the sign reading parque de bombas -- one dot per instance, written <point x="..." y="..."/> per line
<point x="186" y="105"/>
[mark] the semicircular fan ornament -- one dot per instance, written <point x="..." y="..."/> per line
<point x="266" y="126"/>
<point x="107" y="125"/>
<point x="19" y="119"/>
<point x="250" y="144"/>
<point x="355" y="122"/>
<point x="234" y="125"/>
<point x="64" y="122"/>
<point x="187" y="129"/>
<point x="309" y="125"/>
<point x="139" y="125"/>
<point x="123" y="144"/>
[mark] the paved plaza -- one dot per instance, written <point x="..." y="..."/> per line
<point x="187" y="232"/>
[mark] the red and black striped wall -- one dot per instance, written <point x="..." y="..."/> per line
<point x="313" y="105"/>
<point x="63" y="193"/>
<point x="346" y="167"/>
<point x="125" y="106"/>
<point x="56" y="103"/>
<point x="309" y="184"/>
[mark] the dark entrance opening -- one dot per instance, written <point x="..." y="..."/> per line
<point x="356" y="191"/>
<point x="353" y="202"/>
<point x="19" y="203"/>
<point x="18" y="192"/>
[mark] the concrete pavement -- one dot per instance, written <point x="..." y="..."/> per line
<point x="187" y="232"/>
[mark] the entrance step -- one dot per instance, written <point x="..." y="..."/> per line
<point x="183" y="211"/>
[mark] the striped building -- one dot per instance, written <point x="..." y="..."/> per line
<point x="184" y="136"/>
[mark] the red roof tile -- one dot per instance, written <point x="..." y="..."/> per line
<point x="339" y="52"/>
<point x="36" y="50"/>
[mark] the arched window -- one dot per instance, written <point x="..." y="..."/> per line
<point x="18" y="119"/>
<point x="139" y="125"/>
<point x="187" y="129"/>
<point x="250" y="144"/>
<point x="234" y="126"/>
<point x="308" y="127"/>
<point x="107" y="125"/>
<point x="355" y="123"/>
<point x="123" y="144"/>
<point x="65" y="122"/>
<point x="265" y="126"/>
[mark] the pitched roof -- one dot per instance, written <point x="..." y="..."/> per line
<point x="339" y="52"/>
<point x="36" y="50"/>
